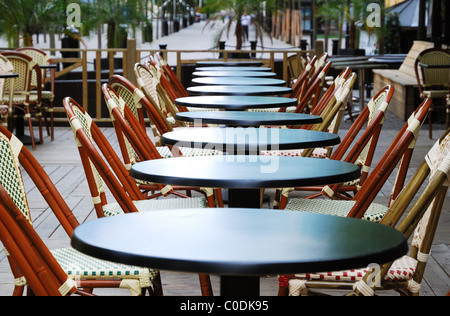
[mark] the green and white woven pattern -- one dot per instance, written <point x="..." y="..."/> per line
<point x="375" y="213"/>
<point x="80" y="267"/>
<point x="189" y="152"/>
<point x="168" y="204"/>
<point x="11" y="177"/>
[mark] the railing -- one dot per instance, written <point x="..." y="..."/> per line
<point x="90" y="61"/>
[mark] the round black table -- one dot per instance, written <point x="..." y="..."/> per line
<point x="256" y="74"/>
<point x="8" y="75"/>
<point x="239" y="118"/>
<point x="222" y="68"/>
<point x="240" y="245"/>
<point x="214" y="63"/>
<point x="248" y="140"/>
<point x="245" y="175"/>
<point x="239" y="90"/>
<point x="238" y="81"/>
<point x="236" y="103"/>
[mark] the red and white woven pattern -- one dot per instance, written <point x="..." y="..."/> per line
<point x="317" y="153"/>
<point x="401" y="270"/>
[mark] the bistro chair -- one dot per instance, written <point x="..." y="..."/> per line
<point x="131" y="94"/>
<point x="136" y="146"/>
<point x="332" y="112"/>
<point x="48" y="96"/>
<point x="405" y="274"/>
<point x="59" y="271"/>
<point x="432" y="68"/>
<point x="123" y="188"/>
<point x="296" y="65"/>
<point x="6" y="106"/>
<point x="165" y="87"/>
<point x="23" y="99"/>
<point x="359" y="151"/>
<point x="362" y="206"/>
<point x="176" y="83"/>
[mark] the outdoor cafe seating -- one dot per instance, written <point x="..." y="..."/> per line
<point x="151" y="174"/>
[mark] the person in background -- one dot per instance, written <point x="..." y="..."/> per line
<point x="245" y="22"/>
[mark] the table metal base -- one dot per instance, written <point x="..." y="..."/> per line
<point x="244" y="198"/>
<point x="239" y="286"/>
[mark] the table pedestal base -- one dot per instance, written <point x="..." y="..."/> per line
<point x="239" y="286"/>
<point x="244" y="198"/>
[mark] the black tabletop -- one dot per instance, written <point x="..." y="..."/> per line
<point x="239" y="90"/>
<point x="239" y="241"/>
<point x="240" y="118"/>
<point x="215" y="63"/>
<point x="257" y="74"/>
<point x="238" y="81"/>
<point x="222" y="68"/>
<point x="236" y="102"/>
<point x="8" y="75"/>
<point x="248" y="140"/>
<point x="245" y="172"/>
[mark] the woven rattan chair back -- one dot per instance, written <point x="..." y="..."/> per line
<point x="48" y="96"/>
<point x="98" y="172"/>
<point x="25" y="66"/>
<point x="296" y="65"/>
<point x="133" y="140"/>
<point x="6" y="109"/>
<point x="400" y="152"/>
<point x="362" y="152"/>
<point x="299" y="87"/>
<point x="176" y="83"/>
<point x="430" y="73"/>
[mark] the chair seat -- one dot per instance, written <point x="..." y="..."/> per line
<point x="401" y="270"/>
<point x="317" y="153"/>
<point x="189" y="152"/>
<point x="375" y="213"/>
<point x="290" y="109"/>
<point x="168" y="204"/>
<point x="435" y="94"/>
<point x="82" y="267"/>
<point x="20" y="98"/>
<point x="46" y="95"/>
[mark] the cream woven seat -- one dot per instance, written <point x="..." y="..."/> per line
<point x="82" y="270"/>
<point x="405" y="274"/>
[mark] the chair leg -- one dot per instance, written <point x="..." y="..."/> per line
<point x="30" y="126"/>
<point x="205" y="285"/>
<point x="430" y="127"/>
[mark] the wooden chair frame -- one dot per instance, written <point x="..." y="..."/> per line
<point x="422" y="218"/>
<point x="432" y="70"/>
<point x="48" y="96"/>
<point x="178" y="86"/>
<point x="30" y="258"/>
<point x="400" y="151"/>
<point x="123" y="188"/>
<point x="134" y="139"/>
<point x="22" y="86"/>
<point x="365" y="145"/>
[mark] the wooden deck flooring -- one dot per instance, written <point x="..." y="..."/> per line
<point x="61" y="161"/>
